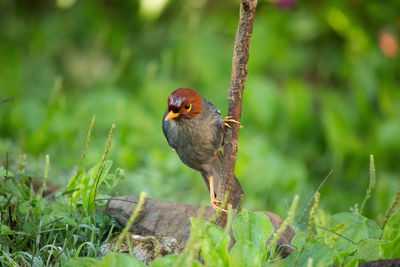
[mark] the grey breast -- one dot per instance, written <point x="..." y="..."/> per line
<point x="196" y="140"/>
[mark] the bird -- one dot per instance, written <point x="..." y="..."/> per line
<point x="194" y="127"/>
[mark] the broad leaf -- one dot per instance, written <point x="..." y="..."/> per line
<point x="391" y="249"/>
<point x="83" y="262"/>
<point x="244" y="253"/>
<point x="120" y="259"/>
<point x="253" y="226"/>
<point x="392" y="228"/>
<point x="370" y="250"/>
<point x="348" y="229"/>
<point x="168" y="260"/>
<point x="321" y="255"/>
<point x="214" y="243"/>
<point x="299" y="240"/>
<point x="4" y="173"/>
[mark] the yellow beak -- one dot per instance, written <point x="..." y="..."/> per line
<point x="171" y="115"/>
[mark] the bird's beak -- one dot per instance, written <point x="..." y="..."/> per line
<point x="171" y="115"/>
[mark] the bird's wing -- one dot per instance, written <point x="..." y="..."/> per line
<point x="216" y="115"/>
<point x="164" y="129"/>
<point x="213" y="108"/>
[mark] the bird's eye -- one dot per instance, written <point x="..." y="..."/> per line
<point x="188" y="107"/>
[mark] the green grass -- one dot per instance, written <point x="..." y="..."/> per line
<point x="48" y="231"/>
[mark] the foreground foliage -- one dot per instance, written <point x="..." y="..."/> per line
<point x="66" y="229"/>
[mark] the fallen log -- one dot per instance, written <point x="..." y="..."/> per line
<point x="163" y="218"/>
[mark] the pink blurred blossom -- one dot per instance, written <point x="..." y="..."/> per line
<point x="388" y="44"/>
<point x="286" y="4"/>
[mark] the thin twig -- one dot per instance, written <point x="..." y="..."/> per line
<point x="6" y="177"/>
<point x="56" y="258"/>
<point x="340" y="235"/>
<point x="53" y="221"/>
<point x="6" y="100"/>
<point x="51" y="230"/>
<point x="238" y="83"/>
<point x="313" y="196"/>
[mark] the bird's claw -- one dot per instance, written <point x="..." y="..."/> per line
<point x="216" y="207"/>
<point x="215" y="203"/>
<point x="228" y="119"/>
<point x="213" y="200"/>
<point x="227" y="125"/>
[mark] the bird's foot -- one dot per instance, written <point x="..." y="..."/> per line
<point x="213" y="200"/>
<point x="216" y="206"/>
<point x="228" y="119"/>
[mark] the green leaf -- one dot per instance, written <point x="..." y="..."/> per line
<point x="299" y="240"/>
<point x="321" y="255"/>
<point x="348" y="229"/>
<point x="47" y="219"/>
<point x="352" y="263"/>
<point x="13" y="189"/>
<point x="86" y="185"/>
<point x="83" y="262"/>
<point x="214" y="243"/>
<point x="245" y="253"/>
<point x="342" y="257"/>
<point x="171" y="259"/>
<point x="253" y="226"/>
<point x="96" y="176"/>
<point x="370" y="250"/>
<point x="392" y="228"/>
<point x="76" y="185"/>
<point x="337" y="237"/>
<point x="168" y="260"/>
<point x="24" y="207"/>
<point x="391" y="249"/>
<point x="3" y="173"/>
<point x="196" y="263"/>
<point x="69" y="221"/>
<point x="120" y="259"/>
<point x="112" y="180"/>
<point x="5" y="230"/>
<point x="213" y="259"/>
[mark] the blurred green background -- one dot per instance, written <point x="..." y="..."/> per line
<point x="322" y="93"/>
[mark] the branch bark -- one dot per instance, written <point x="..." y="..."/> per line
<point x="238" y="83"/>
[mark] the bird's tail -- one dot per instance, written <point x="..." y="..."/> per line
<point x="215" y="170"/>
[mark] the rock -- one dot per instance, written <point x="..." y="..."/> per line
<point x="144" y="248"/>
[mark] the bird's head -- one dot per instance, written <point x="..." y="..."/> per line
<point x="183" y="103"/>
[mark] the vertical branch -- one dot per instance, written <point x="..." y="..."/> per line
<point x="238" y="82"/>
